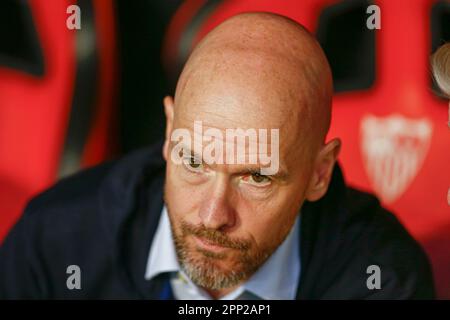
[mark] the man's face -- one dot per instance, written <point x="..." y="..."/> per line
<point x="227" y="219"/>
<point x="255" y="72"/>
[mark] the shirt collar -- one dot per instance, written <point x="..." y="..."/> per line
<point x="162" y="257"/>
<point x="267" y="282"/>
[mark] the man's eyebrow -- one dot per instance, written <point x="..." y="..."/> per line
<point x="191" y="153"/>
<point x="280" y="175"/>
<point x="187" y="150"/>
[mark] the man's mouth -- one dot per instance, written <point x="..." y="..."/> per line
<point x="206" y="244"/>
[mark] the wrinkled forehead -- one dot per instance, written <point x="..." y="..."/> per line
<point x="216" y="114"/>
<point x="234" y="111"/>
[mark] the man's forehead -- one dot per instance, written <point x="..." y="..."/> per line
<point x="244" y="123"/>
<point x="266" y="94"/>
<point x="211" y="121"/>
<point x="235" y="105"/>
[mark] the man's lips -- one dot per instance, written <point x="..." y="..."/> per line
<point x="208" y="245"/>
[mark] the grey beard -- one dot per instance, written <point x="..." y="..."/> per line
<point x="205" y="273"/>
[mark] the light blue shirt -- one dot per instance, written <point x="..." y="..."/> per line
<point x="276" y="279"/>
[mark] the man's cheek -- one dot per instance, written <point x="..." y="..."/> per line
<point x="185" y="201"/>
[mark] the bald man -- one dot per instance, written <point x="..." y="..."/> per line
<point x="245" y="200"/>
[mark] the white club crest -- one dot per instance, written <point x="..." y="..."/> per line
<point x="394" y="149"/>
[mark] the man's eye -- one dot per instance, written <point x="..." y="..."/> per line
<point x="258" y="179"/>
<point x="192" y="163"/>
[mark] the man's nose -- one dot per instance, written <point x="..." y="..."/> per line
<point x="216" y="211"/>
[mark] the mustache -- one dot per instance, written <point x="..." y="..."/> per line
<point x="215" y="237"/>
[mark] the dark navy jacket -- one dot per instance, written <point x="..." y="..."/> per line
<point x="104" y="219"/>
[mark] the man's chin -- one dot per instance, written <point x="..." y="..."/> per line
<point x="211" y="273"/>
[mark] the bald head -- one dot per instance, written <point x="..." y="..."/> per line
<point x="259" y="70"/>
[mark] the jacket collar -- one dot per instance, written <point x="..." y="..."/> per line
<point x="131" y="199"/>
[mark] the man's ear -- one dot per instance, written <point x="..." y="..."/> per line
<point x="322" y="170"/>
<point x="168" y="110"/>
